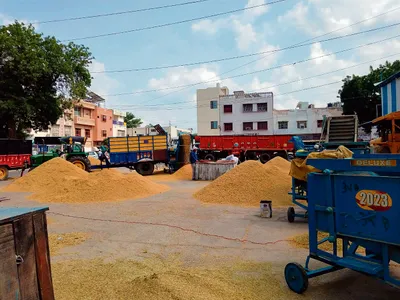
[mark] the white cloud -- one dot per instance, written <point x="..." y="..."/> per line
<point x="270" y="58"/>
<point x="256" y="12"/>
<point x="318" y="16"/>
<point x="102" y="84"/>
<point x="208" y="26"/>
<point x="7" y="20"/>
<point x="245" y="35"/>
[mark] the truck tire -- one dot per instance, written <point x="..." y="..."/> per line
<point x="81" y="162"/>
<point x="210" y="157"/>
<point x="3" y="173"/>
<point x="145" y="168"/>
<point x="264" y="158"/>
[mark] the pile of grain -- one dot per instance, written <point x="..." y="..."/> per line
<point x="94" y="161"/>
<point x="60" y="181"/>
<point x="249" y="183"/>
<point x="60" y="241"/>
<point x="163" y="280"/>
<point x="184" y="173"/>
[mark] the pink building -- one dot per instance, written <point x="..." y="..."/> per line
<point x="103" y="124"/>
<point x="84" y="121"/>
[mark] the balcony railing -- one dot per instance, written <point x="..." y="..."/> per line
<point x="84" y="121"/>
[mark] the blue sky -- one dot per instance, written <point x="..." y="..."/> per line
<point x="263" y="29"/>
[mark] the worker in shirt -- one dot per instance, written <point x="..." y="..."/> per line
<point x="233" y="158"/>
<point x="193" y="160"/>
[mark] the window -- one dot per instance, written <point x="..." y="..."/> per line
<point x="228" y="109"/>
<point x="283" y="125"/>
<point x="104" y="133"/>
<point x="301" y="124"/>
<point x="55" y="130"/>
<point x="77" y="132"/>
<point x="262" y="106"/>
<point x="214" y="125"/>
<point x="67" y="130"/>
<point x="262" y="125"/>
<point x="247" y="107"/>
<point x="213" y="104"/>
<point x="87" y="133"/>
<point x="104" y="118"/>
<point x="247" y="126"/>
<point x="121" y="132"/>
<point x="319" y="123"/>
<point x="87" y="113"/>
<point x="228" y="126"/>
<point x="77" y="111"/>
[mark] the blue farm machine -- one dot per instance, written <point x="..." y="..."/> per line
<point x="356" y="201"/>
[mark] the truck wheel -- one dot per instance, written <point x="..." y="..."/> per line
<point x="264" y="158"/>
<point x="81" y="162"/>
<point x="145" y="168"/>
<point x="210" y="157"/>
<point x="3" y="173"/>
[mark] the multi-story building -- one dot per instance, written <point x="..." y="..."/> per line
<point x="208" y="122"/>
<point x="305" y="121"/>
<point x="84" y="121"/>
<point x="242" y="113"/>
<point x="103" y="124"/>
<point x="119" y="125"/>
<point x="63" y="127"/>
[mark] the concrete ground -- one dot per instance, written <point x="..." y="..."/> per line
<point x="173" y="223"/>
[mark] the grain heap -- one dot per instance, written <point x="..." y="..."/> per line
<point x="60" y="181"/>
<point x="184" y="173"/>
<point x="94" y="161"/>
<point x="249" y="183"/>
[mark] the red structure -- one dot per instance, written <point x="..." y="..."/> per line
<point x="263" y="147"/>
<point x="13" y="155"/>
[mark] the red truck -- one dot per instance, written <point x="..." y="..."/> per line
<point x="246" y="147"/>
<point x="14" y="154"/>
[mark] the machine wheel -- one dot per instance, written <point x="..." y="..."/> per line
<point x="296" y="278"/>
<point x="210" y="157"/>
<point x="290" y="214"/>
<point x="3" y="173"/>
<point x="81" y="162"/>
<point x="264" y="158"/>
<point x="145" y="168"/>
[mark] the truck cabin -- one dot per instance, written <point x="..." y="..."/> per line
<point x="389" y="131"/>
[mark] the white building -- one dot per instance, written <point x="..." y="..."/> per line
<point x="305" y="120"/>
<point x="63" y="127"/>
<point x="242" y="113"/>
<point x="119" y="125"/>
<point x="208" y="122"/>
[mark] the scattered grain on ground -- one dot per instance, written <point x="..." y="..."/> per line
<point x="249" y="183"/>
<point x="154" y="280"/>
<point x="60" y="241"/>
<point x="60" y="181"/>
<point x="184" y="173"/>
<point x="302" y="241"/>
<point x="94" y="161"/>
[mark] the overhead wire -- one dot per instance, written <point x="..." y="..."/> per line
<point x="248" y="73"/>
<point x="299" y="45"/>
<point x="174" y="23"/>
<point x="123" y="12"/>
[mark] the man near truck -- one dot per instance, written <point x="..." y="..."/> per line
<point x="193" y="160"/>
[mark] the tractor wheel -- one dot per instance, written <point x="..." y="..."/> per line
<point x="145" y="168"/>
<point x="3" y="173"/>
<point x="210" y="157"/>
<point x="264" y="158"/>
<point x="81" y="162"/>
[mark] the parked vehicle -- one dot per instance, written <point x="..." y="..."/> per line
<point x="246" y="147"/>
<point x="14" y="155"/>
<point x="389" y="133"/>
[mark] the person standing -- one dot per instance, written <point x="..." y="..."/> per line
<point x="193" y="160"/>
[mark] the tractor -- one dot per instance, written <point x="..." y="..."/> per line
<point x="72" y="150"/>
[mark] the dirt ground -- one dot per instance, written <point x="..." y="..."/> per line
<point x="174" y="224"/>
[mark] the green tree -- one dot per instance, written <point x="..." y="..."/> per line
<point x="39" y="77"/>
<point x="131" y="121"/>
<point x="360" y="95"/>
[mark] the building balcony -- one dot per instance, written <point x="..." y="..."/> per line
<point x="84" y="121"/>
<point x="118" y="123"/>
